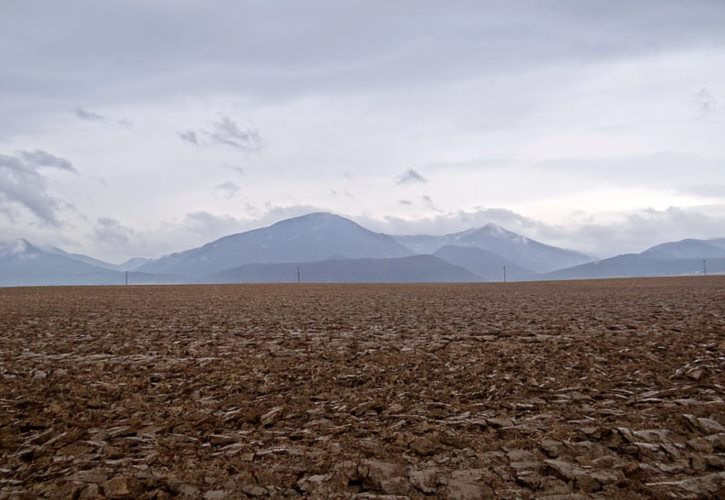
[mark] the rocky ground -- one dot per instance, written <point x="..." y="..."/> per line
<point x="545" y="390"/>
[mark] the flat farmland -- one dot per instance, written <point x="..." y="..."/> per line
<point x="601" y="388"/>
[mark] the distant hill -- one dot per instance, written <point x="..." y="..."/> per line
<point x="718" y="242"/>
<point x="132" y="264"/>
<point x="487" y="265"/>
<point x="675" y="258"/>
<point x="25" y="264"/>
<point x="412" y="269"/>
<point x="129" y="265"/>
<point x="313" y="237"/>
<point x="637" y="265"/>
<point x="687" y="249"/>
<point x="523" y="251"/>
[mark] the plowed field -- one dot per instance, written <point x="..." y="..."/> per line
<point x="601" y="388"/>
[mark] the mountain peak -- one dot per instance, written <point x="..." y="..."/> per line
<point x="493" y="227"/>
<point x="500" y="232"/>
<point x="314" y="217"/>
<point x="316" y="236"/>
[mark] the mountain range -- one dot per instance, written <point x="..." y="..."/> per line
<point x="25" y="264"/>
<point x="324" y="247"/>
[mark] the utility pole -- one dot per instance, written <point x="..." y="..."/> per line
<point x="127" y="277"/>
<point x="704" y="267"/>
<point x="504" y="274"/>
<point x="299" y="276"/>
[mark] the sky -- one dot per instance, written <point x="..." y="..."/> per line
<point x="139" y="128"/>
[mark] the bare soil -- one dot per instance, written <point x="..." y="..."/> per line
<point x="602" y="388"/>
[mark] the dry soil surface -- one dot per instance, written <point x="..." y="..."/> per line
<point x="559" y="390"/>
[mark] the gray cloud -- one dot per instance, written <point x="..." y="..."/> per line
<point x="636" y="231"/>
<point x="90" y="116"/>
<point x="234" y="168"/>
<point x="111" y="232"/>
<point x="449" y="222"/>
<point x="405" y="203"/>
<point x="411" y="34"/>
<point x="622" y="233"/>
<point x="211" y="226"/>
<point x="227" y="189"/>
<point x="428" y="202"/>
<point x="411" y="176"/>
<point x="24" y="185"/>
<point x="189" y="137"/>
<point x="224" y="132"/>
<point x="705" y="102"/>
<point x="39" y="158"/>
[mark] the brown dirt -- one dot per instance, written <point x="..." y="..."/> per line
<point x="602" y="388"/>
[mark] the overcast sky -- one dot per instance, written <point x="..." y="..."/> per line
<point x="136" y="127"/>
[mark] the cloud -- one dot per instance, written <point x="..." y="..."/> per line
<point x="111" y="232"/>
<point x="234" y="168"/>
<point x="227" y="189"/>
<point x="93" y="54"/>
<point x="224" y="132"/>
<point x="41" y="158"/>
<point x="450" y="222"/>
<point x="210" y="226"/>
<point x="638" y="230"/>
<point x="596" y="235"/>
<point x="24" y="185"/>
<point x="705" y="102"/>
<point x="428" y="202"/>
<point x="90" y="116"/>
<point x="411" y="176"/>
<point x="189" y="137"/>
